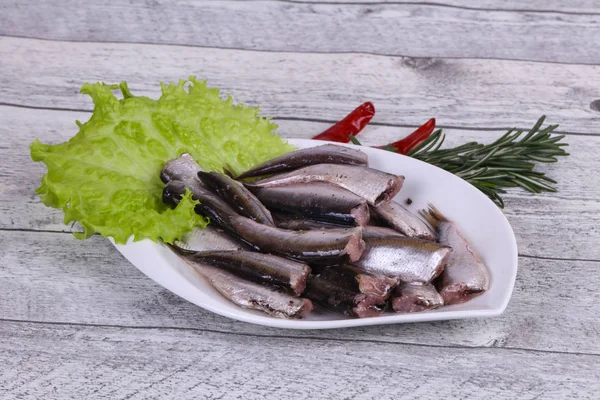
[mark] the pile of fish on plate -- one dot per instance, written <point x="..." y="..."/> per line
<point x="318" y="226"/>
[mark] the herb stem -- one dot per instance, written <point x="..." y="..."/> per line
<point x="507" y="162"/>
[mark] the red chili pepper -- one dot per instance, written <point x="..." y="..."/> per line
<point x="405" y="145"/>
<point x="350" y="125"/>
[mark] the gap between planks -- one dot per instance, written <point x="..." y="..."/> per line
<point x="296" y="337"/>
<point x="145" y="43"/>
<point x="426" y="4"/>
<point x="325" y="121"/>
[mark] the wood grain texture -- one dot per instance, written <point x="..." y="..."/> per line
<point x="390" y="29"/>
<point x="74" y="362"/>
<point x="559" y="6"/>
<point x="52" y="277"/>
<point x="575" y="208"/>
<point x="78" y="321"/>
<point x="461" y="93"/>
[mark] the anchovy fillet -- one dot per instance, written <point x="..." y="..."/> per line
<point x="259" y="267"/>
<point x="354" y="280"/>
<point x="294" y="223"/>
<point x="399" y="218"/>
<point x="316" y="200"/>
<point x="210" y="205"/>
<point x="325" y="154"/>
<point x="374" y="232"/>
<point x="313" y="245"/>
<point x="184" y="168"/>
<point x="376" y="187"/>
<point x="207" y="239"/>
<point x="410" y="259"/>
<point x="414" y="297"/>
<point x="254" y="295"/>
<point x="335" y="295"/>
<point x="465" y="275"/>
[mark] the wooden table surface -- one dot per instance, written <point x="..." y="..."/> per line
<point x="77" y="321"/>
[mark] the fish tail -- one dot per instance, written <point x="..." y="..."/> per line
<point x="177" y="250"/>
<point x="433" y="216"/>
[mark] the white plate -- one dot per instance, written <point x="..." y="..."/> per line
<point x="481" y="221"/>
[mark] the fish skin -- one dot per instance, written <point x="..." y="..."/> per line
<point x="326" y="244"/>
<point x="465" y="275"/>
<point x="237" y="196"/>
<point x="258" y="267"/>
<point x="414" y="297"/>
<point x="254" y="295"/>
<point x="311" y="245"/>
<point x="316" y="200"/>
<point x="207" y="239"/>
<point x="374" y="232"/>
<point x="210" y="205"/>
<point x="184" y="168"/>
<point x="399" y="218"/>
<point x="294" y="223"/>
<point x="410" y="259"/>
<point x="376" y="187"/>
<point x="185" y="171"/>
<point x="325" y="154"/>
<point x="337" y="296"/>
<point x="173" y="192"/>
<point x="361" y="282"/>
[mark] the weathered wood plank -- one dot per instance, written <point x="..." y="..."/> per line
<point x="573" y="6"/>
<point x="20" y="206"/>
<point x="390" y="29"/>
<point x="77" y="362"/>
<point x="472" y="93"/>
<point x="52" y="277"/>
<point x="573" y="212"/>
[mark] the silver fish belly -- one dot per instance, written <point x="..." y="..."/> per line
<point x="207" y="239"/>
<point x="410" y="259"/>
<point x="259" y="267"/>
<point x="253" y="295"/>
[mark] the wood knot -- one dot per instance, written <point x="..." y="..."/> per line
<point x="595" y="105"/>
<point x="420" y="62"/>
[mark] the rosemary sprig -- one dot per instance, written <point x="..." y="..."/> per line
<point x="507" y="162"/>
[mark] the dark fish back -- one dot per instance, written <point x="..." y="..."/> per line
<point x="325" y="154"/>
<point x="259" y="267"/>
<point x="316" y="200"/>
<point x="237" y="196"/>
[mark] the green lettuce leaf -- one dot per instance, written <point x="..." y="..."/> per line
<point x="107" y="177"/>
